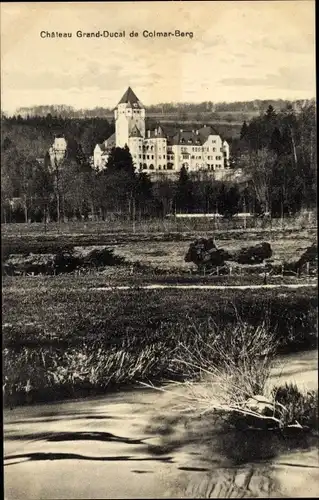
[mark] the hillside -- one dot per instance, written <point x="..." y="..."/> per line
<point x="234" y="111"/>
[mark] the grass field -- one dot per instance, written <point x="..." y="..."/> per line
<point x="59" y="341"/>
<point x="162" y="253"/>
<point x="120" y="225"/>
<point x="170" y="254"/>
<point x="62" y="336"/>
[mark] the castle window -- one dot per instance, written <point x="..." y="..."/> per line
<point x="152" y="157"/>
<point x="151" y="166"/>
<point x="159" y="157"/>
<point x="144" y="166"/>
<point x="159" y="167"/>
<point x="163" y="157"/>
<point x="148" y="157"/>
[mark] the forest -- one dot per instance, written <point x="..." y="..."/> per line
<point x="276" y="152"/>
<point x="257" y="105"/>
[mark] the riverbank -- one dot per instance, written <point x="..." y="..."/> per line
<point x="137" y="444"/>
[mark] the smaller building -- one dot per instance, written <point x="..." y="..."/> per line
<point x="101" y="152"/>
<point x="58" y="150"/>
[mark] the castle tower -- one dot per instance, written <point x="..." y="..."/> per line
<point x="129" y="113"/>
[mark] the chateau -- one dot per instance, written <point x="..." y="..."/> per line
<point x="157" y="152"/>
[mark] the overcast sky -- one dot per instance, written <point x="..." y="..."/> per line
<point x="240" y="51"/>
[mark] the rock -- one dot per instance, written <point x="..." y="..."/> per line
<point x="261" y="405"/>
<point x="204" y="252"/>
<point x="254" y="255"/>
<point x="309" y="256"/>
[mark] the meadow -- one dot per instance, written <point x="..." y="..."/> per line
<point x="64" y="337"/>
<point x="59" y="341"/>
<point x="154" y="248"/>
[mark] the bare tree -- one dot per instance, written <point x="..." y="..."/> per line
<point x="259" y="165"/>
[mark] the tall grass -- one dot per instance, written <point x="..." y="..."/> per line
<point x="50" y="372"/>
<point x="57" y="342"/>
<point x="235" y="369"/>
<point x="114" y="224"/>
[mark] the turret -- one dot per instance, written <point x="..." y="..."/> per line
<point x="129" y="114"/>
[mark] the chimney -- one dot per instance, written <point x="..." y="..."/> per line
<point x="148" y="133"/>
<point x="181" y="130"/>
<point x="155" y="131"/>
<point x="196" y="132"/>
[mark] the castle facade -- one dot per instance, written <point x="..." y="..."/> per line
<point x="159" y="152"/>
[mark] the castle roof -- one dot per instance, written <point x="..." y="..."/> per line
<point x="207" y="131"/>
<point x="110" y="141"/>
<point x="101" y="146"/>
<point x="107" y="144"/>
<point x="187" y="137"/>
<point x="196" y="137"/>
<point x="135" y="132"/>
<point x="157" y="133"/>
<point x="130" y="98"/>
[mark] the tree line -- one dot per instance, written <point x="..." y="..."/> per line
<point x="168" y="107"/>
<point x="276" y="152"/>
<point x="72" y="190"/>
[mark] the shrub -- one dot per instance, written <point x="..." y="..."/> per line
<point x="254" y="255"/>
<point x="301" y="407"/>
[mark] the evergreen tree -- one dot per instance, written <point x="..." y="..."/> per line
<point x="118" y="182"/>
<point x="120" y="160"/>
<point x="243" y="131"/>
<point x="184" y="192"/>
<point x="228" y="200"/>
<point x="276" y="141"/>
<point x="270" y="113"/>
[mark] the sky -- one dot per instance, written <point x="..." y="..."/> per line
<point x="240" y="50"/>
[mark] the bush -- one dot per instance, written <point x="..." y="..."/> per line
<point x="63" y="261"/>
<point x="254" y="255"/>
<point x="301" y="407"/>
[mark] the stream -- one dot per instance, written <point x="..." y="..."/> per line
<point x="138" y="444"/>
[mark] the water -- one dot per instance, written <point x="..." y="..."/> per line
<point x="138" y="444"/>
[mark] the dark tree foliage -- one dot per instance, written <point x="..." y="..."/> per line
<point x="243" y="131"/>
<point x="276" y="150"/>
<point x="228" y="200"/>
<point x="184" y="199"/>
<point x="290" y="136"/>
